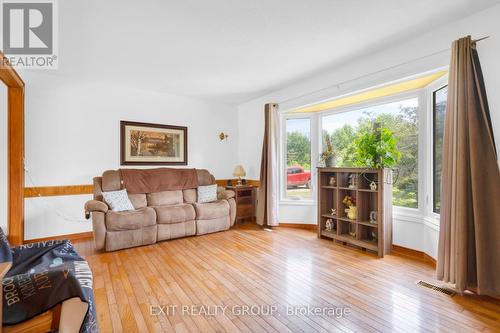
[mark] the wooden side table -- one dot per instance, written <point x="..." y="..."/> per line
<point x="245" y="202"/>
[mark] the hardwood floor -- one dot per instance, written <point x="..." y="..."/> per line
<point x="283" y="270"/>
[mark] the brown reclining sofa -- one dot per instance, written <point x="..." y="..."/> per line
<point x="158" y="216"/>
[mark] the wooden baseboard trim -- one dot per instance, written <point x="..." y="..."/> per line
<point x="414" y="254"/>
<point x="299" y="226"/>
<point x="71" y="237"/>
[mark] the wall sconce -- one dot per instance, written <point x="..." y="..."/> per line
<point x="223" y="136"/>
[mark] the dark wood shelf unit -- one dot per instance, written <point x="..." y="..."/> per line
<point x="360" y="232"/>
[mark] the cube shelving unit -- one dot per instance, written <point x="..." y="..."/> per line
<point x="361" y="231"/>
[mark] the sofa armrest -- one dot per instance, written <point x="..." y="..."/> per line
<point x="225" y="194"/>
<point x="96" y="206"/>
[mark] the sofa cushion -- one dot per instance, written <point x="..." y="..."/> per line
<point x="212" y="225"/>
<point x="190" y="195"/>
<point x="116" y="240"/>
<point x="138" y="200"/>
<point x="176" y="230"/>
<point x="130" y="220"/>
<point x="225" y="194"/>
<point x="174" y="214"/>
<point x="111" y="180"/>
<point x="204" y="177"/>
<point x="212" y="210"/>
<point x="165" y="198"/>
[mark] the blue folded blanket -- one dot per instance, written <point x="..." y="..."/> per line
<point x="43" y="275"/>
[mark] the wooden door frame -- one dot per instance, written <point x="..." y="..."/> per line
<point x="15" y="93"/>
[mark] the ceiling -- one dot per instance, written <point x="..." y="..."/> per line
<point x="230" y="50"/>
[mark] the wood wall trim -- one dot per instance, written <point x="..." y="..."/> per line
<point x="8" y="75"/>
<point x="50" y="191"/>
<point x="72" y="237"/>
<point x="223" y="182"/>
<point x="299" y="226"/>
<point x="410" y="253"/>
<point x="63" y="190"/>
<point x="15" y="155"/>
<point x="16" y="165"/>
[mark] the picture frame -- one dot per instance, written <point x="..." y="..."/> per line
<point x="152" y="144"/>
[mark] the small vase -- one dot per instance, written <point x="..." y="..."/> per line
<point x="351" y="212"/>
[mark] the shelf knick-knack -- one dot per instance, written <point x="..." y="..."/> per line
<point x="351" y="180"/>
<point x="351" y="212"/>
<point x="352" y="230"/>
<point x="373" y="186"/>
<point x="332" y="181"/>
<point x="329" y="225"/>
<point x="350" y="203"/>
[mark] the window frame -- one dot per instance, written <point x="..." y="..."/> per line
<point x="421" y="110"/>
<point x="284" y="199"/>
<point x="430" y="90"/>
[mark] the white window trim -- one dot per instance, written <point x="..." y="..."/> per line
<point x="313" y="118"/>
<point x="430" y="89"/>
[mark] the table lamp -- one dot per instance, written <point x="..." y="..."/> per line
<point x="239" y="172"/>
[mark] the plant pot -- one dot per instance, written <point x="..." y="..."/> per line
<point x="329" y="162"/>
<point x="351" y="212"/>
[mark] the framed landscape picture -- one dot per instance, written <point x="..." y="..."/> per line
<point x="143" y="143"/>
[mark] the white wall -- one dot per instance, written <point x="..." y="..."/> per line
<point x="3" y="157"/>
<point x="72" y="135"/>
<point x="412" y="234"/>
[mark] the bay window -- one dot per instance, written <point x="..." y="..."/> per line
<point x="401" y="118"/>
<point x="416" y="119"/>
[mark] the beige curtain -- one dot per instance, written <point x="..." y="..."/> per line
<point x="469" y="237"/>
<point x="267" y="205"/>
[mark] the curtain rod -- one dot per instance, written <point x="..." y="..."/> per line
<point x="480" y="39"/>
<point x="376" y="72"/>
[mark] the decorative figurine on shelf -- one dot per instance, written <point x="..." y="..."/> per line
<point x="373" y="186"/>
<point x="333" y="181"/>
<point x="352" y="230"/>
<point x="374" y="236"/>
<point x="350" y="203"/>
<point x="373" y="216"/>
<point x="334" y="212"/>
<point x="329" y="225"/>
<point x="351" y="180"/>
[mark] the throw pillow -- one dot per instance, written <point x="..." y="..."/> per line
<point x="207" y="193"/>
<point x="118" y="201"/>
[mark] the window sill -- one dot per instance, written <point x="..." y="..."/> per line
<point x="289" y="202"/>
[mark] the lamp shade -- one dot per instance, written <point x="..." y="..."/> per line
<point x="239" y="171"/>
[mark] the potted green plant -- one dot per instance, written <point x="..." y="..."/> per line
<point x="376" y="148"/>
<point x="328" y="155"/>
